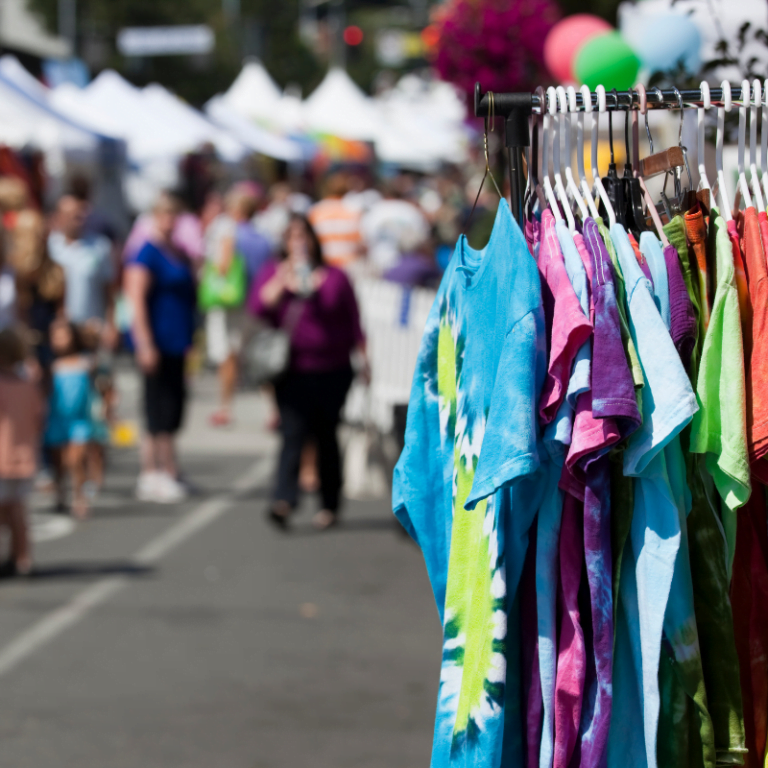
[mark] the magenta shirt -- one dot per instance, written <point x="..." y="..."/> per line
<point x="328" y="328"/>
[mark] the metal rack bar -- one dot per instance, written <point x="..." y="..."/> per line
<point x="516" y="108"/>
<point x="506" y="104"/>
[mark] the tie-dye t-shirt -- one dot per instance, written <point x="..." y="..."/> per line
<point x="466" y="485"/>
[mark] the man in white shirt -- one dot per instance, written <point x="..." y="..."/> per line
<point x="392" y="227"/>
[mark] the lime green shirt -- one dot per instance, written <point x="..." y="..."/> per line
<point x="719" y="428"/>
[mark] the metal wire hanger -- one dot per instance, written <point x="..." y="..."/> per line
<point x="491" y="116"/>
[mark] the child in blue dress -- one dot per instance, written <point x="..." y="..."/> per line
<point x="70" y="418"/>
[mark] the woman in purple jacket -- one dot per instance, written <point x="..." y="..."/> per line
<point x="316" y="305"/>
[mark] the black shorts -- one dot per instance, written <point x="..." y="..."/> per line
<point x="165" y="393"/>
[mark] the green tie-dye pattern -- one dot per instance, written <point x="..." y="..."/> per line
<point x="446" y="373"/>
<point x="474" y="641"/>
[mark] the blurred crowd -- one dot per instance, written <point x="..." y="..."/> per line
<point x="75" y="298"/>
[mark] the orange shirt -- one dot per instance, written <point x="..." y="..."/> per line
<point x="754" y="234"/>
<point x="338" y="229"/>
<point x="21" y="417"/>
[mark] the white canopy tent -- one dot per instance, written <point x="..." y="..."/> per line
<point x="418" y="123"/>
<point x="254" y="94"/>
<point x="73" y="102"/>
<point x="338" y="107"/>
<point x="251" y="135"/>
<point x="111" y="103"/>
<point x="158" y="125"/>
<point x="13" y="71"/>
<point x="122" y="104"/>
<point x="191" y="127"/>
<point x="424" y="122"/>
<point x="27" y="121"/>
<point x="28" y="116"/>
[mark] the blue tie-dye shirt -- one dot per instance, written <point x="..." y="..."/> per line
<point x="467" y="488"/>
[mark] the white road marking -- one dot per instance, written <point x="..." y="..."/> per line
<point x="58" y="621"/>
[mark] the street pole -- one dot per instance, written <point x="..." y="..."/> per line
<point x="338" y="47"/>
<point x="231" y="9"/>
<point x="67" y="12"/>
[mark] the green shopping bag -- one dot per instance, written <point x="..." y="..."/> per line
<point x="227" y="291"/>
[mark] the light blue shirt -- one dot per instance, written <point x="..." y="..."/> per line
<point x="650" y="247"/>
<point x="468" y="484"/>
<point x="668" y="405"/>
<point x="89" y="271"/>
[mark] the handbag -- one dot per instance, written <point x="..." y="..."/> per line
<point x="267" y="354"/>
<point x="223" y="291"/>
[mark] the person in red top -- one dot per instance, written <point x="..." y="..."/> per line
<point x="21" y="419"/>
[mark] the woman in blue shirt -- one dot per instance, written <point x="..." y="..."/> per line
<point x="160" y="287"/>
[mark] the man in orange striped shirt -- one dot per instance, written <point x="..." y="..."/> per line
<point x="337" y="225"/>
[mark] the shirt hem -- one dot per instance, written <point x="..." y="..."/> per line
<point x="637" y="465"/>
<point x="513" y="468"/>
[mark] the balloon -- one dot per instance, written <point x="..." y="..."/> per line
<point x="566" y="38"/>
<point x="663" y="40"/>
<point x="607" y="60"/>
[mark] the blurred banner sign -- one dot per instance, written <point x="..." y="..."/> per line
<point x="189" y="40"/>
<point x="394" y="47"/>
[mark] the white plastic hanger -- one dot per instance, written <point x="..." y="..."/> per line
<point x="573" y="187"/>
<point x="722" y="188"/>
<point x="755" y="102"/>
<point x="764" y="140"/>
<point x="557" y="161"/>
<point x="745" y="100"/>
<point x="550" y="110"/>
<point x="646" y="194"/>
<point x="701" y="153"/>
<point x="594" y="170"/>
<point x="586" y="97"/>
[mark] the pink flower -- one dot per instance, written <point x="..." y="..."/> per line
<point x="498" y="43"/>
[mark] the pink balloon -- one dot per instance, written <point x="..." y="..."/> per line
<point x="566" y="38"/>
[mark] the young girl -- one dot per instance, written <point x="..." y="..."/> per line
<point x="21" y="413"/>
<point x="70" y="422"/>
<point x="103" y="400"/>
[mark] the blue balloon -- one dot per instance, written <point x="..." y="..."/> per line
<point x="662" y="41"/>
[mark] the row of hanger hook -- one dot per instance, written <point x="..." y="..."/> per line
<point x="559" y="104"/>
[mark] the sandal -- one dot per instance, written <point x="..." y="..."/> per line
<point x="325" y="519"/>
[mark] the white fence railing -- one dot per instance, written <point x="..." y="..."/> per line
<point x="393" y="319"/>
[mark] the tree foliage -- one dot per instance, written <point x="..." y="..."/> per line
<point x="265" y="28"/>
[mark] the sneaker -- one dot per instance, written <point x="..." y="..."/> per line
<point x="168" y="490"/>
<point x="146" y="486"/>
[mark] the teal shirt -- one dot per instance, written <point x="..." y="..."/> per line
<point x="466" y="486"/>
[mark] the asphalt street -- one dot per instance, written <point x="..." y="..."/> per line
<point x="195" y="635"/>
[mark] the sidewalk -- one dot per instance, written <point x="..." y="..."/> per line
<point x="196" y="635"/>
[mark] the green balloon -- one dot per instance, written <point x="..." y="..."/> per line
<point x="607" y="60"/>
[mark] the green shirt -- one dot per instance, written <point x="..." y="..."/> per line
<point x="719" y="428"/>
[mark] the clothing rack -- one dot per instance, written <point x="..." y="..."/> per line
<point x="517" y="108"/>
